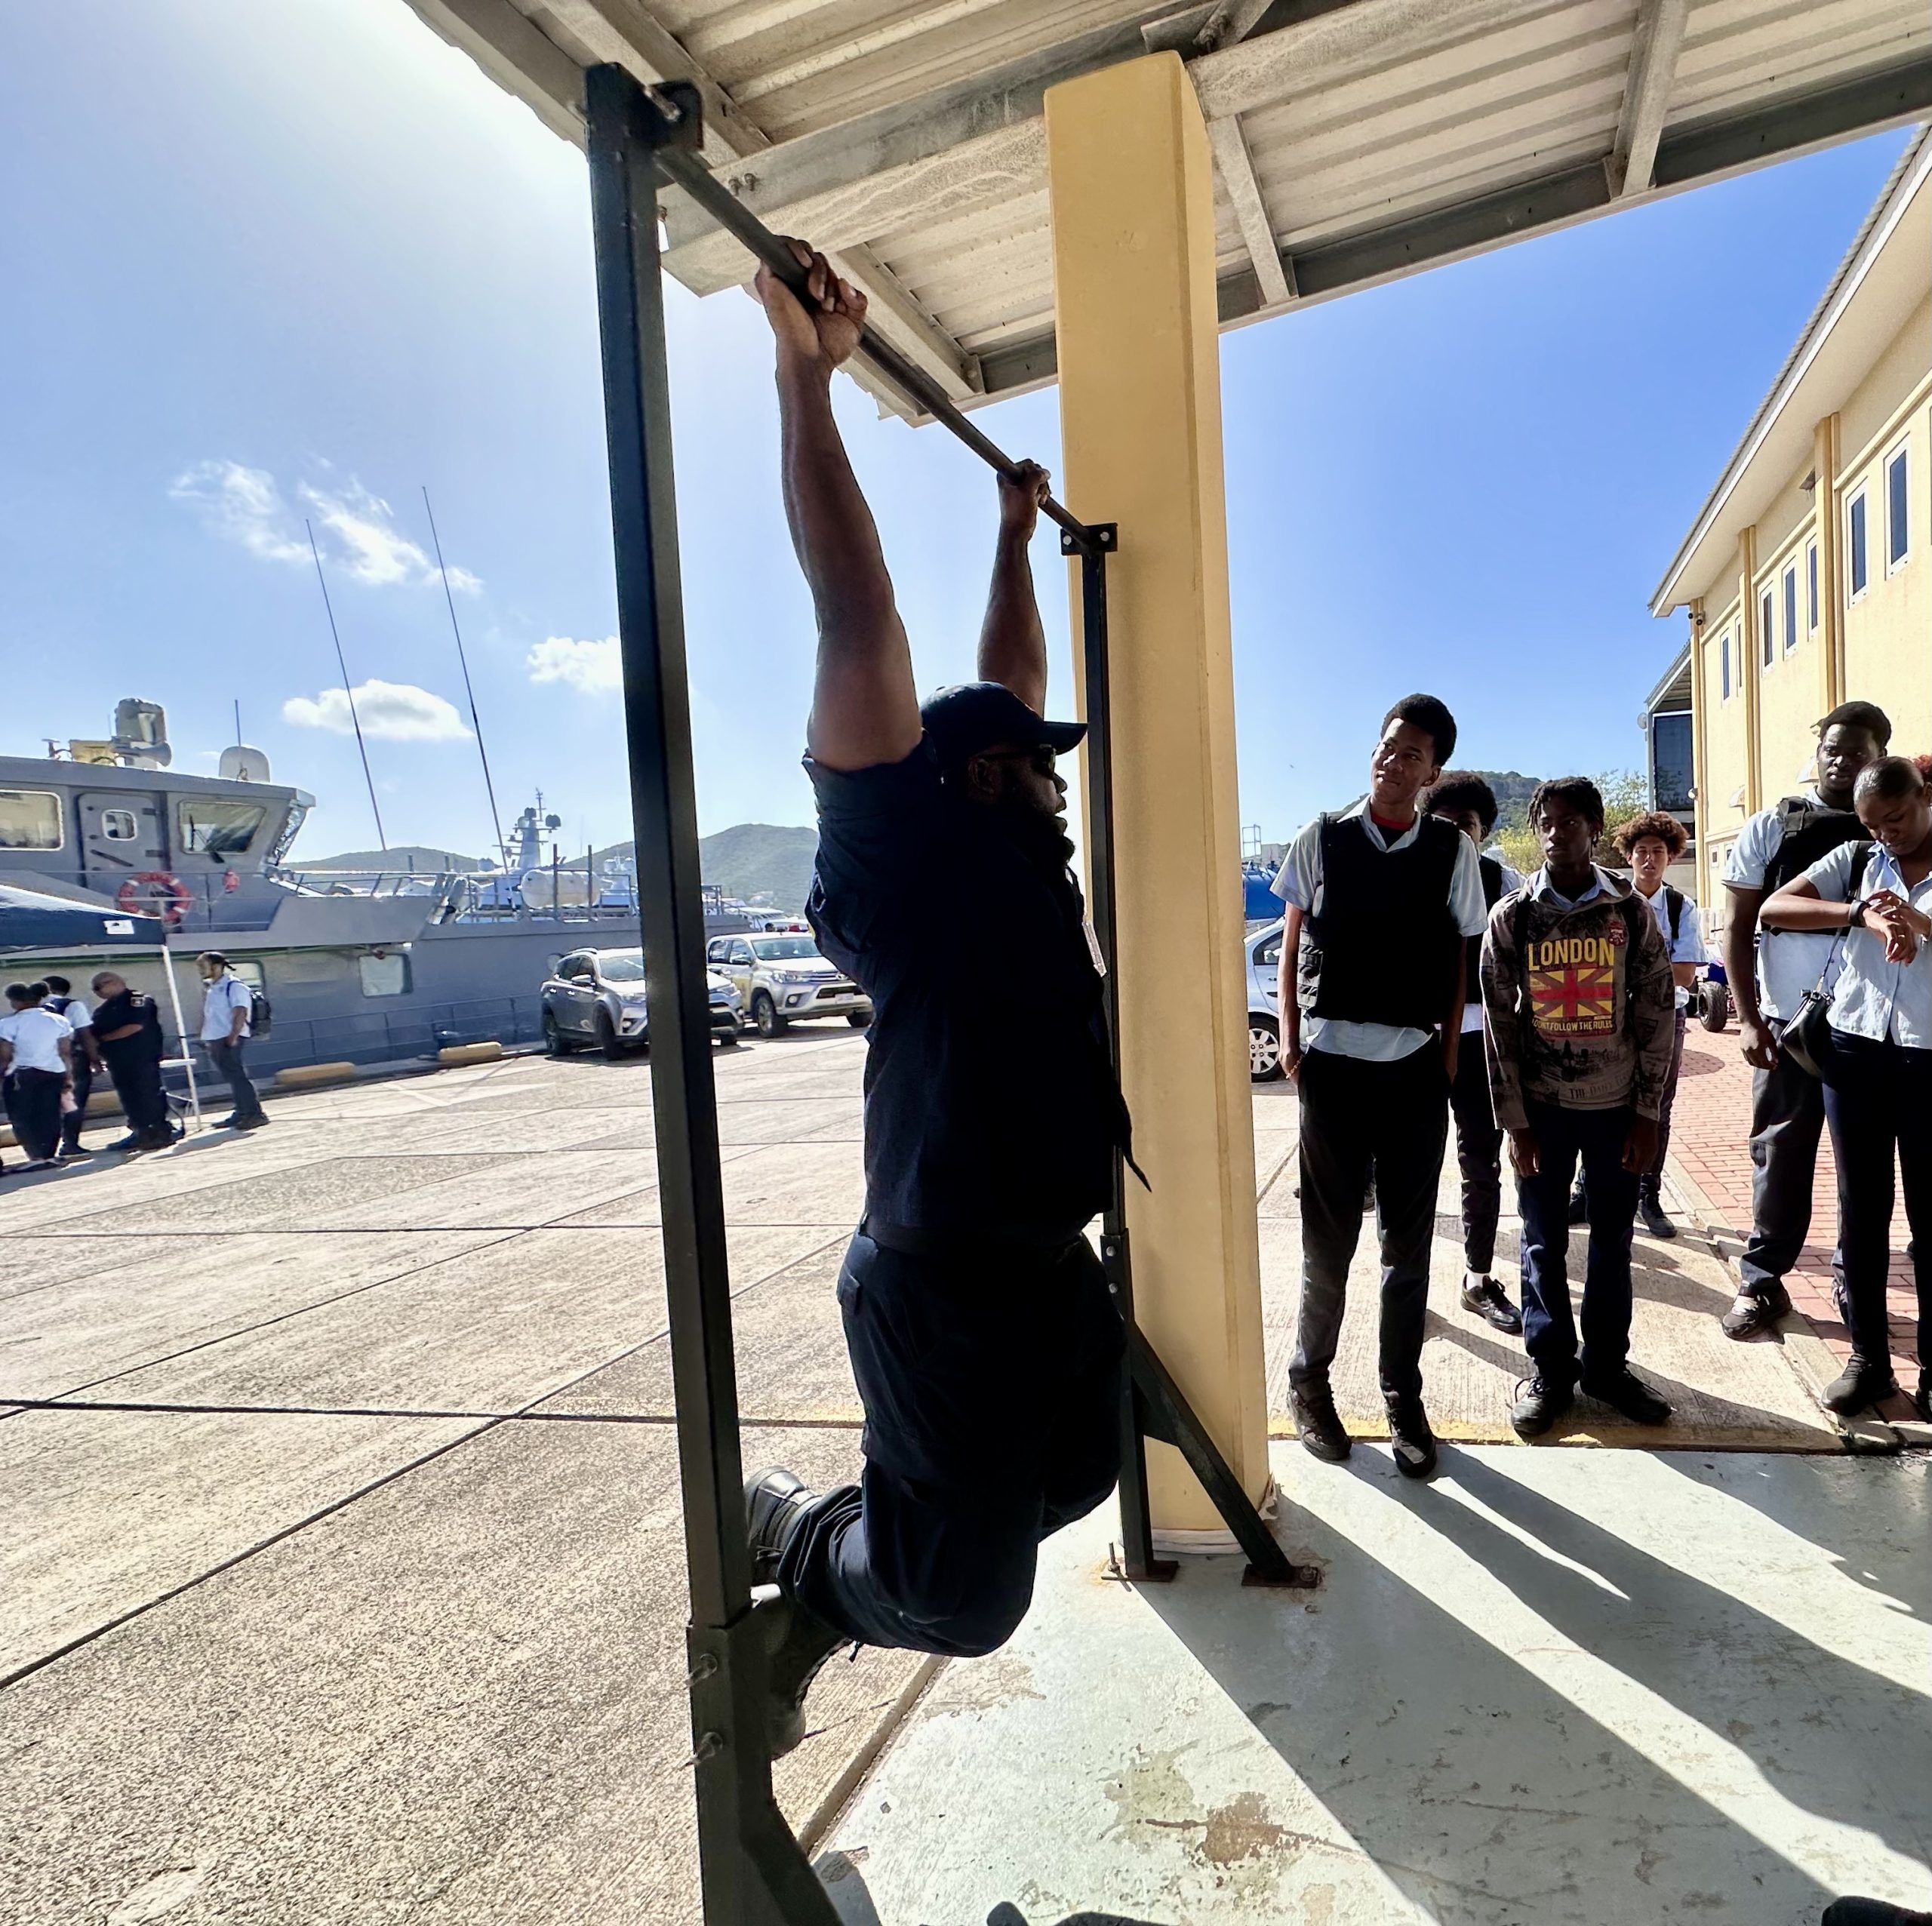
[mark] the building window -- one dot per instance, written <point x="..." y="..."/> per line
<point x="1672" y="776"/>
<point x="1791" y="608"/>
<point x="209" y="828"/>
<point x="1724" y="663"/>
<point x="1767" y="623"/>
<point x="29" y="819"/>
<point x="386" y="974"/>
<point x="1855" y="573"/>
<point x="118" y="825"/>
<point x="1811" y="588"/>
<point x="1896" y="501"/>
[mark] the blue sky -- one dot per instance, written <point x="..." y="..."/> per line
<point x="268" y="264"/>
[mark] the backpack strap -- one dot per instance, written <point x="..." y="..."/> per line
<point x="1673" y="903"/>
<point x="1519" y="937"/>
<point x="1861" y="861"/>
<point x="1635" y="912"/>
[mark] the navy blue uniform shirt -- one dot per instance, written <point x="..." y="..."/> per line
<point x="991" y="1108"/>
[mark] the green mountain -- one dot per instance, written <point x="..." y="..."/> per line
<point x="751" y="859"/>
<point x="409" y="858"/>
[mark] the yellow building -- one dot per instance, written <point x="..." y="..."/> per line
<point x="1807" y="574"/>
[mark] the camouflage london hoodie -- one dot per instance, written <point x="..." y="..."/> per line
<point x="1580" y="1016"/>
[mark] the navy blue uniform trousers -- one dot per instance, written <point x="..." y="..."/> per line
<point x="1564" y="1137"/>
<point x="992" y="1387"/>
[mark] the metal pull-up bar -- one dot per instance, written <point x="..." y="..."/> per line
<point x="682" y="166"/>
<point x="753" y="1870"/>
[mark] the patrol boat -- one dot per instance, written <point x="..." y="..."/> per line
<point x="364" y="967"/>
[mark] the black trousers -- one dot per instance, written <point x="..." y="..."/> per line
<point x="33" y="1108"/>
<point x="137" y="1076"/>
<point x="1878" y="1097"/>
<point x="1355" y="1114"/>
<point x="1478" y="1153"/>
<point x="1787" y="1118"/>
<point x="1566" y="1139"/>
<point x="226" y="1054"/>
<point x="992" y="1389"/>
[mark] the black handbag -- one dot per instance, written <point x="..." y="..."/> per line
<point x="1806" y="1040"/>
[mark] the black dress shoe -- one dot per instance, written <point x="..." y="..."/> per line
<point x="1749" y="1316"/>
<point x="775" y="1503"/>
<point x="1490" y="1302"/>
<point x="1318" y="1424"/>
<point x="1628" y="1396"/>
<point x="1859" y="1385"/>
<point x="796" y="1645"/>
<point x="1411" y="1440"/>
<point x="1538" y="1405"/>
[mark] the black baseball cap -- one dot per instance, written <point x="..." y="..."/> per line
<point x="971" y="717"/>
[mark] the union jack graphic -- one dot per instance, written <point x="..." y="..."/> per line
<point x="1576" y="999"/>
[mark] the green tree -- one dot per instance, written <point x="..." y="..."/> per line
<point x="1625" y="795"/>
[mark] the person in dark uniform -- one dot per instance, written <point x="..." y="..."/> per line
<point x="986" y="1347"/>
<point x="127" y="1031"/>
<point x="60" y="999"/>
<point x="1463" y="798"/>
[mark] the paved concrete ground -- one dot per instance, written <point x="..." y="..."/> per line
<point x="1552" y="1688"/>
<point x="1714" y="1093"/>
<point x="340" y="1542"/>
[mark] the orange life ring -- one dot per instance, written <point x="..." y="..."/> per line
<point x="151" y="892"/>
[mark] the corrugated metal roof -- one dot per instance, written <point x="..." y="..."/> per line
<point x="1383" y="135"/>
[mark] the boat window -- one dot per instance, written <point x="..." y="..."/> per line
<point x="248" y="969"/>
<point x="386" y="975"/>
<point x="786" y="949"/>
<point x="29" y="819"/>
<point x="212" y="828"/>
<point x="118" y="825"/>
<point x="621" y="966"/>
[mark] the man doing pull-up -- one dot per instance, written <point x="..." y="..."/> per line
<point x="985" y="1345"/>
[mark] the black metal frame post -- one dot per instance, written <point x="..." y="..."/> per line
<point x="753" y="1870"/>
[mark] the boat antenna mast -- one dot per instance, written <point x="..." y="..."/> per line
<point x="348" y="693"/>
<point x="475" y="720"/>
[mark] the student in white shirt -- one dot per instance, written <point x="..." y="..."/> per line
<point x="36" y="1057"/>
<point x="1462" y="798"/>
<point x="227" y="1003"/>
<point x="1874" y="902"/>
<point x="87" y="1060"/>
<point x="1650" y="843"/>
<point x="1769" y="972"/>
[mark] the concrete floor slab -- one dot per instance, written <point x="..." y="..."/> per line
<point x="384" y="1718"/>
<point x="792" y="1364"/>
<point x="1577" y="1690"/>
<point x="169" y="1294"/>
<point x="102" y="1513"/>
<point x="783" y="1183"/>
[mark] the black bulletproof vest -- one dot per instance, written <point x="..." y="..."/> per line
<point x="1382" y="948"/>
<point x="1809" y="831"/>
<point x="1492" y="895"/>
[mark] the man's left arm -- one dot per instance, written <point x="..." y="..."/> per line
<point x="1470" y="915"/>
<point x="1012" y="645"/>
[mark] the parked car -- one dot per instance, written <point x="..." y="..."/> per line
<point x="783" y="980"/>
<point x="1264" y="1020"/>
<point x="598" y="996"/>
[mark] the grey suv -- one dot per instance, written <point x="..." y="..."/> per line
<point x="598" y="996"/>
<point x="1264" y="1022"/>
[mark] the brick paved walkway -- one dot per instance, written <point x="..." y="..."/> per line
<point x="1710" y="1138"/>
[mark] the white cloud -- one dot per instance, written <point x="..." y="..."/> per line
<point x="355" y="530"/>
<point x="595" y="668"/>
<point x="244" y="505"/>
<point x="393" y="711"/>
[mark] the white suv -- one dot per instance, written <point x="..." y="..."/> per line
<point x="783" y="980"/>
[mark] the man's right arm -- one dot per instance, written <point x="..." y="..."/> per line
<point x="1740" y="966"/>
<point x="864" y="704"/>
<point x="1287" y="1004"/>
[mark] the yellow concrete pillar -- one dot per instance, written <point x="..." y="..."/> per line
<point x="1830" y="596"/>
<point x="1700" y="809"/>
<point x="1750" y="635"/>
<point x="1131" y="177"/>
